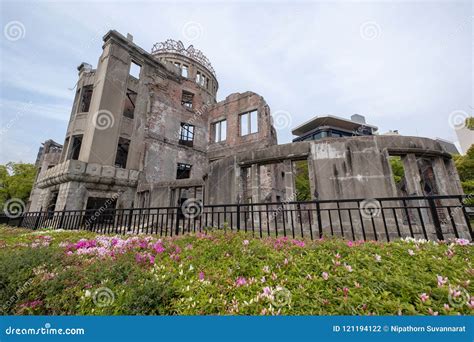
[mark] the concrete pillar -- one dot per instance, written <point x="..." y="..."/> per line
<point x="312" y="177"/>
<point x="412" y="175"/>
<point x="290" y="190"/>
<point x="255" y="191"/>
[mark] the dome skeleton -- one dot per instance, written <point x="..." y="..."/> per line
<point x="177" y="46"/>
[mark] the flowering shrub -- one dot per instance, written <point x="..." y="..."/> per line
<point x="78" y="272"/>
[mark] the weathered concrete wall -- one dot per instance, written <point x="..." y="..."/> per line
<point x="350" y="168"/>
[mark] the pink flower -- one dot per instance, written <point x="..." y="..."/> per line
<point x="432" y="313"/>
<point x="246" y="242"/>
<point x="470" y="303"/>
<point x="350" y="244"/>
<point x="263" y="279"/>
<point x="441" y="280"/>
<point x="348" y="268"/>
<point x="325" y="275"/>
<point x="158" y="247"/>
<point x="201" y="276"/>
<point x="410" y="252"/>
<point x="266" y="269"/>
<point x="424" y="297"/>
<point x="446" y="307"/>
<point x="338" y="256"/>
<point x="241" y="281"/>
<point x="285" y="261"/>
<point x="346" y="291"/>
<point x="462" y="242"/>
<point x="299" y="243"/>
<point x="267" y="292"/>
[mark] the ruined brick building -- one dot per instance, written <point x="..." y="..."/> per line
<point x="146" y="130"/>
<point x="148" y="126"/>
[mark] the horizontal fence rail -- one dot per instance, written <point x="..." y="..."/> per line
<point x="433" y="217"/>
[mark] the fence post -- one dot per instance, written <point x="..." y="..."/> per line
<point x="129" y="226"/>
<point x="62" y="218"/>
<point x="238" y="217"/>
<point x="436" y="221"/>
<point x="38" y="219"/>
<point x="320" y="224"/>
<point x="466" y="216"/>
<point x="20" y="222"/>
<point x="177" y="221"/>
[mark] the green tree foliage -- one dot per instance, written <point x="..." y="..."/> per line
<point x="16" y="181"/>
<point x="465" y="165"/>
<point x="397" y="169"/>
<point x="303" y="190"/>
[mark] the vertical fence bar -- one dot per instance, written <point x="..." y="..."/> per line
<point x="436" y="222"/>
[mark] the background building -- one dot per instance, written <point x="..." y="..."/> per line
<point x="333" y="126"/>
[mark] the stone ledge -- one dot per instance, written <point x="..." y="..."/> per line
<point x="75" y="170"/>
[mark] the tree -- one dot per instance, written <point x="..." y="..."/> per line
<point x="397" y="169"/>
<point x="16" y="181"/>
<point x="303" y="189"/>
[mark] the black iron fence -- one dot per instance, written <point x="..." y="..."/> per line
<point x="433" y="217"/>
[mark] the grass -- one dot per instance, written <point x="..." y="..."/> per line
<point x="78" y="272"/>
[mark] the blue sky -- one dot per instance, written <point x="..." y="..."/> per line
<point x="404" y="65"/>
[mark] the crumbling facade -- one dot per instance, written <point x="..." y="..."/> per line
<point x="148" y="126"/>
<point x="146" y="131"/>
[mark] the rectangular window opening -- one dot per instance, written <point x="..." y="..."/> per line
<point x="249" y="123"/>
<point x="122" y="153"/>
<point x="187" y="99"/>
<point x="186" y="134"/>
<point x="183" y="171"/>
<point x="86" y="98"/>
<point x="135" y="70"/>
<point x="220" y="131"/>
<point x="75" y="148"/>
<point x="130" y="100"/>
